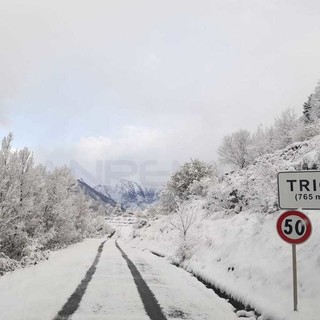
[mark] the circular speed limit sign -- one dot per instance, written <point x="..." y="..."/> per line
<point x="294" y="227"/>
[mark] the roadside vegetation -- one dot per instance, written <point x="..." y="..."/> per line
<point x="219" y="224"/>
<point x="40" y="210"/>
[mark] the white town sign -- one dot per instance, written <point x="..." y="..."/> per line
<point x="299" y="190"/>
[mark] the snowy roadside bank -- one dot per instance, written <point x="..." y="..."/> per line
<point x="240" y="308"/>
<point x="39" y="292"/>
<point x="243" y="255"/>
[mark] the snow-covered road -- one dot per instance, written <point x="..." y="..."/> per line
<point x="39" y="292"/>
<point x="180" y="295"/>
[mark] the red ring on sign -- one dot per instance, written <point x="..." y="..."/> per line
<point x="303" y="217"/>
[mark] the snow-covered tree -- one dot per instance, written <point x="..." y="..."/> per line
<point x="59" y="214"/>
<point x="305" y="130"/>
<point x="307" y="110"/>
<point x="82" y="217"/>
<point x="181" y="181"/>
<point x="168" y="201"/>
<point x="262" y="141"/>
<point x="25" y="177"/>
<point x="314" y="108"/>
<point x="183" y="219"/>
<point x="284" y="127"/>
<point x="12" y="237"/>
<point x="237" y="149"/>
<point x="34" y="224"/>
<point x="40" y="209"/>
<point x="8" y="183"/>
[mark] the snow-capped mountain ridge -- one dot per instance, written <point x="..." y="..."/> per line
<point x="129" y="194"/>
<point x="101" y="198"/>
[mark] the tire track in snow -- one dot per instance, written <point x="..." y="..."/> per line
<point x="149" y="301"/>
<point x="73" y="302"/>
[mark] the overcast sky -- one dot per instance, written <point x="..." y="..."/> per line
<point x="127" y="80"/>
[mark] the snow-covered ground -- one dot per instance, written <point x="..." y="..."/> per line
<point x="120" y="221"/>
<point x="244" y="255"/>
<point x="177" y="291"/>
<point x="112" y="293"/>
<point x="38" y="292"/>
<point x="234" y="243"/>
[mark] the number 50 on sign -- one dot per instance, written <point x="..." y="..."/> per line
<point x="294" y="227"/>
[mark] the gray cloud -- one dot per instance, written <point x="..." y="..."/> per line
<point x="74" y="75"/>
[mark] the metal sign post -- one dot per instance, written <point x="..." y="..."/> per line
<point x="294" y="227"/>
<point x="295" y="278"/>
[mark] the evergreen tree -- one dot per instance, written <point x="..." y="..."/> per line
<point x="315" y="104"/>
<point x="307" y="110"/>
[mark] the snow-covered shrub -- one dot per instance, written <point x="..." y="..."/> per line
<point x="305" y="131"/>
<point x="260" y="188"/>
<point x="7" y="264"/>
<point x="13" y="241"/>
<point x="141" y="223"/>
<point x="217" y="199"/>
<point x="150" y="211"/>
<point x="99" y="227"/>
<point x="34" y="253"/>
<point x="185" y="250"/>
<point x="254" y="187"/>
<point x="311" y="160"/>
<point x="224" y="197"/>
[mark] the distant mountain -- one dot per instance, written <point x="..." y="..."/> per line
<point x="129" y="194"/>
<point x="96" y="196"/>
